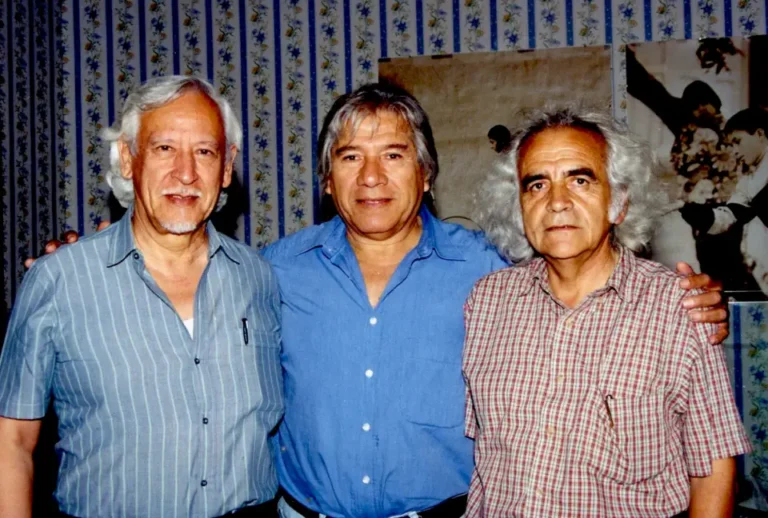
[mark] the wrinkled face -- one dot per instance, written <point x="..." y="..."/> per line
<point x="180" y="166"/>
<point x="564" y="192"/>
<point x="751" y="147"/>
<point x="376" y="181"/>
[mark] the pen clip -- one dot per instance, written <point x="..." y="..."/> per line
<point x="245" y="330"/>
<point x="608" y="408"/>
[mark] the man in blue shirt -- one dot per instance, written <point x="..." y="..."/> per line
<point x="157" y="339"/>
<point x="372" y="326"/>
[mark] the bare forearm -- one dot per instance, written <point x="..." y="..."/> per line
<point x="16" y="469"/>
<point x="712" y="496"/>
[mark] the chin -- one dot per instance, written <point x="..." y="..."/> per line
<point x="180" y="227"/>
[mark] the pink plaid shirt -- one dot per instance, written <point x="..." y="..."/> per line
<point x="606" y="409"/>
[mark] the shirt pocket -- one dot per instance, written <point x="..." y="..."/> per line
<point x="433" y="393"/>
<point x="630" y="444"/>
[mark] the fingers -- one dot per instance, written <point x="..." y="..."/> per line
<point x="52" y="245"/>
<point x="703" y="300"/>
<point x="720" y="335"/>
<point x="718" y="315"/>
<point x="701" y="281"/>
<point x="103" y="225"/>
<point x="70" y="236"/>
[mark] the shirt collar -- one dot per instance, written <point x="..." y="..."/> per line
<point x="123" y="243"/>
<point x="620" y="281"/>
<point x="332" y="237"/>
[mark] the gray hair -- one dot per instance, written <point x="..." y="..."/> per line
<point x="152" y="95"/>
<point x="630" y="175"/>
<point x="352" y="108"/>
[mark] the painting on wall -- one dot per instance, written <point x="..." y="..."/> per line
<point x="474" y="102"/>
<point x="703" y="106"/>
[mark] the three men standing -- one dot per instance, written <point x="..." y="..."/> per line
<point x="372" y="333"/>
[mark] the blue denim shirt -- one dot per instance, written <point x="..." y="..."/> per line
<point x="152" y="422"/>
<point x="374" y="416"/>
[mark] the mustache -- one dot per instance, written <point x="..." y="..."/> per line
<point x="181" y="191"/>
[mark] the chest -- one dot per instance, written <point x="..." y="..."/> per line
<point x="539" y="351"/>
<point x="180" y="288"/>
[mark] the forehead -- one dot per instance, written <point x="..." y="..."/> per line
<point x="193" y="111"/>
<point x="383" y="124"/>
<point x="572" y="147"/>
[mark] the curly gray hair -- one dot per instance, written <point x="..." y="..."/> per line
<point x="152" y="95"/>
<point x="630" y="173"/>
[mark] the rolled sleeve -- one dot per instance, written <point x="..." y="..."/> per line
<point x="28" y="355"/>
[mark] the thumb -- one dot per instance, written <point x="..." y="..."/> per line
<point x="684" y="268"/>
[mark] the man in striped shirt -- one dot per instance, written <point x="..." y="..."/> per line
<point x="157" y="340"/>
<point x="589" y="391"/>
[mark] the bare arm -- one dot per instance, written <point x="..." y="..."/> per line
<point x="18" y="439"/>
<point x="712" y="496"/>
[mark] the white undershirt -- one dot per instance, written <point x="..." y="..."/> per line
<point x="190" y="325"/>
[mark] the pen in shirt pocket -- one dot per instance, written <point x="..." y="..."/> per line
<point x="606" y="400"/>
<point x="245" y="331"/>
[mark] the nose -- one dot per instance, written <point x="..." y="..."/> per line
<point x="559" y="198"/>
<point x="371" y="173"/>
<point x="184" y="167"/>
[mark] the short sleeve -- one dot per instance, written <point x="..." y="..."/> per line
<point x="713" y="428"/>
<point x="28" y="355"/>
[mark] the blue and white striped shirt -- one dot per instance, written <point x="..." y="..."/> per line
<point x="152" y="422"/>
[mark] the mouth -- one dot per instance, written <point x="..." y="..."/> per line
<point x="561" y="228"/>
<point x="373" y="202"/>
<point x="185" y="197"/>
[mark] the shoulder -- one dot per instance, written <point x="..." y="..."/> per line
<point x="507" y="282"/>
<point x="655" y="280"/>
<point x="471" y="243"/>
<point x="83" y="254"/>
<point x="288" y="247"/>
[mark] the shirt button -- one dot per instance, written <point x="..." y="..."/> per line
<point x="539" y="492"/>
<point x="205" y="420"/>
<point x="366" y="479"/>
<point x="560" y="378"/>
<point x="366" y="427"/>
<point x="569" y="322"/>
<point x="369" y="373"/>
<point x="197" y="361"/>
<point x="550" y="430"/>
<point x="136" y="256"/>
<point x="204" y="483"/>
<point x="373" y="321"/>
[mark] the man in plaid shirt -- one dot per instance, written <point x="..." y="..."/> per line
<point x="589" y="390"/>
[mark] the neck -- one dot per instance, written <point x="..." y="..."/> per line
<point x="165" y="250"/>
<point x="386" y="251"/>
<point x="574" y="278"/>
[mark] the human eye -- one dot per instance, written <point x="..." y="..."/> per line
<point x="394" y="155"/>
<point x="349" y="158"/>
<point x="163" y="148"/>
<point x="535" y="186"/>
<point x="206" y="152"/>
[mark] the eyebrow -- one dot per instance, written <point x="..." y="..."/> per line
<point x="582" y="171"/>
<point x="157" y="140"/>
<point x="344" y="149"/>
